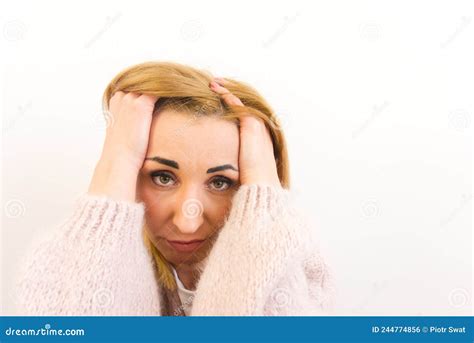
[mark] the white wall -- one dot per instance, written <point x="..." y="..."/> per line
<point x="377" y="100"/>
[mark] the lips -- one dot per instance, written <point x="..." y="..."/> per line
<point x="185" y="246"/>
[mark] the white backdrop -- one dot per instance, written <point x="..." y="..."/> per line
<point x="376" y="97"/>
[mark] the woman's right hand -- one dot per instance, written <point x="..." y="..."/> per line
<point x="125" y="146"/>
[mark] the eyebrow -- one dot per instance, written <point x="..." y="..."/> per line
<point x="174" y="164"/>
<point x="165" y="161"/>
<point x="223" y="167"/>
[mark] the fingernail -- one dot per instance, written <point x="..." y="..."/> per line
<point x="214" y="84"/>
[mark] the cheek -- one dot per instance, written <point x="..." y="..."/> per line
<point x="156" y="213"/>
<point x="217" y="210"/>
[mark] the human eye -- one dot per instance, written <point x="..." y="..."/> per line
<point x="221" y="183"/>
<point x="162" y="178"/>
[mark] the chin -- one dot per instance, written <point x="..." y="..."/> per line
<point x="174" y="257"/>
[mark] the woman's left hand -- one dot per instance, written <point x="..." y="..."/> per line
<point x="256" y="160"/>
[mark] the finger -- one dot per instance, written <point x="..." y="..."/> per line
<point x="131" y="96"/>
<point x="117" y="95"/>
<point x="116" y="98"/>
<point x="246" y="121"/>
<point x="253" y="124"/>
<point x="148" y="98"/>
<point x="221" y="81"/>
<point x="229" y="98"/>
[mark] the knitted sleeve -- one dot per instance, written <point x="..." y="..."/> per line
<point x="264" y="261"/>
<point x="96" y="263"/>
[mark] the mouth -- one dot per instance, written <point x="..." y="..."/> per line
<point x="185" y="246"/>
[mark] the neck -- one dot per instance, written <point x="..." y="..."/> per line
<point x="188" y="275"/>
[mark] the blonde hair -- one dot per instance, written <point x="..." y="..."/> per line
<point x="187" y="89"/>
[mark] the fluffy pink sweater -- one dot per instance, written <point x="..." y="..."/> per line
<point x="265" y="261"/>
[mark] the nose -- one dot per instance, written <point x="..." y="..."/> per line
<point x="188" y="214"/>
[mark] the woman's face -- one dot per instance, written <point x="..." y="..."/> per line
<point x="187" y="182"/>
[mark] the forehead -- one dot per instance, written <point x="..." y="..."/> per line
<point x="205" y="140"/>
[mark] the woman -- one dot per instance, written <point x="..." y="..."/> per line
<point x="188" y="211"/>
